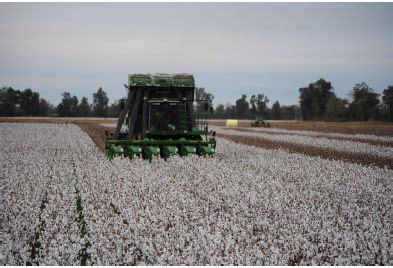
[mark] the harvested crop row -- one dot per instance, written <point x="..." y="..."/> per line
<point x="317" y="142"/>
<point x="372" y="139"/>
<point x="245" y="206"/>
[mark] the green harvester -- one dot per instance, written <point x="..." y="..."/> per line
<point x="158" y="118"/>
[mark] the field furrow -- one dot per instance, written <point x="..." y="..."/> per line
<point x="371" y="139"/>
<point x="318" y="142"/>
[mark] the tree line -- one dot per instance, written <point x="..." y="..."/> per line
<point x="23" y="103"/>
<point x="28" y="103"/>
<point x="317" y="101"/>
<point x="256" y="107"/>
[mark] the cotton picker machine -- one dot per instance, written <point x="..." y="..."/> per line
<point x="158" y="119"/>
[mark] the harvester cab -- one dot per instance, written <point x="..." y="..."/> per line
<point x="158" y="118"/>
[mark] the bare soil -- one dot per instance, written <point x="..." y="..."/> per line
<point x="57" y="120"/>
<point x="96" y="133"/>
<point x="312" y="151"/>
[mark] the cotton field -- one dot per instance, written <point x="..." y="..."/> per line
<point x="318" y="142"/>
<point x="64" y="203"/>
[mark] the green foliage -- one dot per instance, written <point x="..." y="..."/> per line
<point x="314" y="99"/>
<point x="29" y="102"/>
<point x="68" y="106"/>
<point x="276" y="111"/>
<point x="114" y="109"/>
<point x="100" y="103"/>
<point x="257" y="107"/>
<point x="201" y="94"/>
<point x="84" y="108"/>
<point x="220" y="109"/>
<point x="44" y="108"/>
<point x="289" y="112"/>
<point x="337" y="109"/>
<point x="387" y="99"/>
<point x="261" y="103"/>
<point x="22" y="103"/>
<point x="242" y="105"/>
<point x="253" y="102"/>
<point x="365" y="102"/>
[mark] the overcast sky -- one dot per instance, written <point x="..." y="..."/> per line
<point x="232" y="48"/>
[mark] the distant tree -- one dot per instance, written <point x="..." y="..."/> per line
<point x="9" y="100"/>
<point x="114" y="108"/>
<point x="16" y="103"/>
<point x="44" y="107"/>
<point x="365" y="102"/>
<point x="337" y="109"/>
<point x="276" y="110"/>
<point x="84" y="108"/>
<point x="242" y="106"/>
<point x="230" y="111"/>
<point x="253" y="104"/>
<point x="387" y="99"/>
<point x="219" y="111"/>
<point x="289" y="112"/>
<point x="30" y="102"/>
<point x="74" y="106"/>
<point x="100" y="103"/>
<point x="64" y="109"/>
<point x="261" y="102"/>
<point x="201" y="94"/>
<point x="314" y="99"/>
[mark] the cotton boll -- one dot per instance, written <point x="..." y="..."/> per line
<point x="317" y="142"/>
<point x="244" y="206"/>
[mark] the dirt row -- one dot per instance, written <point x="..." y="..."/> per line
<point x="96" y="133"/>
<point x="368" y="128"/>
<point x="57" y="120"/>
<point x="312" y="151"/>
<point x="261" y="130"/>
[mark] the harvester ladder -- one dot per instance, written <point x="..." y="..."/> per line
<point x="130" y="97"/>
<point x="184" y="116"/>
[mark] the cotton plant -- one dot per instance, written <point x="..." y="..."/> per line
<point x="244" y="206"/>
<point x="336" y="144"/>
<point x="361" y="137"/>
